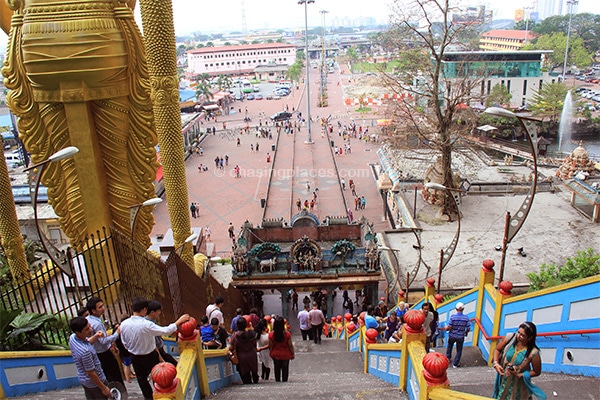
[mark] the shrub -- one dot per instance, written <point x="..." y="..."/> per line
<point x="585" y="263"/>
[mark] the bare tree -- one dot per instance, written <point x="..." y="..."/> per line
<point x="430" y="98"/>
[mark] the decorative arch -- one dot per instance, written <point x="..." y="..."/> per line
<point x="306" y="254"/>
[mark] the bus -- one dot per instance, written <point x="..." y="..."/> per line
<point x="247" y="86"/>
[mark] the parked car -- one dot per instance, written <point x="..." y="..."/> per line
<point x="281" y="116"/>
<point x="258" y="96"/>
<point x="250" y="97"/>
<point x="255" y="88"/>
<point x="269" y="97"/>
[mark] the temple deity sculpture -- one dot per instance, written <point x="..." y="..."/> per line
<point x="77" y="76"/>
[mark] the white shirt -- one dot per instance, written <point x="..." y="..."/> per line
<point x="137" y="334"/>
<point x="303" y="320"/>
<point x="212" y="311"/>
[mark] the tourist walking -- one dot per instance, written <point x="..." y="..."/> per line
<point x="317" y="320"/>
<point x="214" y="310"/>
<point x="193" y="208"/>
<point x="104" y="343"/>
<point x="154" y="311"/>
<point x="230" y="230"/>
<point x="89" y="370"/>
<point x="137" y="334"/>
<point x="303" y="320"/>
<point x="281" y="349"/>
<point x="458" y="327"/>
<point x="264" y="358"/>
<point x="516" y="360"/>
<point x="243" y="343"/>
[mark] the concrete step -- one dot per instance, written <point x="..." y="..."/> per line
<point x="319" y="372"/>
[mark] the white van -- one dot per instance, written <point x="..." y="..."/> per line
<point x="12" y="160"/>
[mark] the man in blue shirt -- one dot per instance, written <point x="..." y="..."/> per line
<point x="89" y="370"/>
<point x="458" y="328"/>
<point x="103" y="345"/>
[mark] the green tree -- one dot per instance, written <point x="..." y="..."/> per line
<point x="428" y="109"/>
<point x="585" y="26"/>
<point x="210" y="44"/>
<point x="557" y="42"/>
<point x="203" y="87"/>
<point x="499" y="96"/>
<point x="352" y="54"/>
<point x="295" y="71"/>
<point x="549" y="100"/>
<point x="300" y="55"/>
<point x="585" y="263"/>
<point x="224" y="82"/>
<point x="521" y="25"/>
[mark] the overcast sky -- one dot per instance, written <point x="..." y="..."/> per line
<point x="226" y="15"/>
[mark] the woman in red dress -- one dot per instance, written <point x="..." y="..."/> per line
<point x="282" y="349"/>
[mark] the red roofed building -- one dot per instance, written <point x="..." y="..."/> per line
<point x="238" y="59"/>
<point x="505" y="40"/>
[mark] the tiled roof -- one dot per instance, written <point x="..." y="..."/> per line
<point x="508" y="34"/>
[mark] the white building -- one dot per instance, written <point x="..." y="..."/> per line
<point x="238" y="59"/>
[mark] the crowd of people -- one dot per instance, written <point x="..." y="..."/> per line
<point x="265" y="343"/>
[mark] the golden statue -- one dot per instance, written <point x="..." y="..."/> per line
<point x="78" y="77"/>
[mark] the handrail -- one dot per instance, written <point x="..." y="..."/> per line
<point x="544" y="334"/>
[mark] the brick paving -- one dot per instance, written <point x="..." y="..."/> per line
<point x="223" y="198"/>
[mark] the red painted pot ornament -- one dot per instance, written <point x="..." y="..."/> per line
<point x="267" y="318"/>
<point x="187" y="330"/>
<point x="439" y="298"/>
<point x="371" y="335"/>
<point x="361" y="317"/>
<point x="435" y="365"/>
<point x="414" y="320"/>
<point x="351" y="327"/>
<point x="333" y="320"/>
<point x="348" y="317"/>
<point x="488" y="265"/>
<point x="506" y="288"/>
<point x="430" y="282"/>
<point x="164" y="376"/>
<point x="339" y="318"/>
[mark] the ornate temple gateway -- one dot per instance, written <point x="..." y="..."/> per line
<point x="308" y="256"/>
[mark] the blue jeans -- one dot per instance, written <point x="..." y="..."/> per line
<point x="459" y="346"/>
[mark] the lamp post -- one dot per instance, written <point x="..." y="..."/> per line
<point x="570" y="4"/>
<point x="59" y="258"/>
<point x="514" y="223"/>
<point x="527" y="22"/>
<point x="447" y="253"/>
<point x="134" y="210"/>
<point x="323" y="68"/>
<point x="397" y="269"/>
<point x="305" y="2"/>
<point x="187" y="240"/>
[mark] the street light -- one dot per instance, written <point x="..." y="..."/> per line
<point x="305" y="2"/>
<point x="446" y="254"/>
<point x="527" y="22"/>
<point x="134" y="210"/>
<point x="189" y="239"/>
<point x="513" y="224"/>
<point x="59" y="258"/>
<point x="570" y="3"/>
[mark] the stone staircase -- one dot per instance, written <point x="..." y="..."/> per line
<point x="319" y="372"/>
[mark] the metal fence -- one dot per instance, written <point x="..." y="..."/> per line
<point x="116" y="269"/>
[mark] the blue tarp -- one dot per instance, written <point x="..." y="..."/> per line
<point x="185" y="95"/>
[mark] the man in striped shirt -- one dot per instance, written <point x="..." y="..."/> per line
<point x="89" y="369"/>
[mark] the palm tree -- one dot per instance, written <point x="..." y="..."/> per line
<point x="203" y="87"/>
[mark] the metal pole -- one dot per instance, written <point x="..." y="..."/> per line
<point x="440" y="268"/>
<point x="570" y="3"/>
<point x="504" y="247"/>
<point x="309" y="139"/>
<point x="415" y="204"/>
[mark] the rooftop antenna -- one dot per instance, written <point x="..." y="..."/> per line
<point x="244" y="26"/>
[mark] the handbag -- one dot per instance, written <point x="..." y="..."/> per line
<point x="233" y="356"/>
